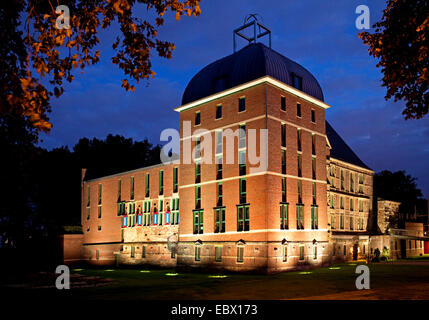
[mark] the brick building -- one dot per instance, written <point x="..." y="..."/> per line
<point x="263" y="181"/>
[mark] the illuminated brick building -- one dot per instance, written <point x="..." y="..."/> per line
<point x="304" y="203"/>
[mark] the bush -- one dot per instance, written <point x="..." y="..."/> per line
<point x="383" y="258"/>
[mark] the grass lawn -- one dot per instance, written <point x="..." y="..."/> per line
<point x="387" y="281"/>
<point x="334" y="280"/>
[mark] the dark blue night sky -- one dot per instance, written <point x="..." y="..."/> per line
<point x="320" y="35"/>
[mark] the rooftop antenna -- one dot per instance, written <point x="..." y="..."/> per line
<point x="259" y="30"/>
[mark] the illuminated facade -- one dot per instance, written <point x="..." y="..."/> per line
<point x="304" y="203"/>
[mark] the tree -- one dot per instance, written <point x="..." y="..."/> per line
<point x="36" y="52"/>
<point x="397" y="186"/>
<point x="401" y="43"/>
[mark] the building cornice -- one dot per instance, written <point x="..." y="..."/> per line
<point x="247" y="85"/>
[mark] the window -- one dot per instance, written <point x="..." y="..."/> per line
<point x="198" y="221"/>
<point x="161" y="182"/>
<point x="297" y="81"/>
<point x="147" y="185"/>
<point x="197" y="253"/>
<point x="99" y="212"/>
<point x="242" y="190"/>
<point x="146" y="213"/>
<point x="360" y="183"/>
<point x="219" y="168"/>
<point x="218" y="254"/>
<point x="284" y="254"/>
<point x="88" y="213"/>
<point x="313" y="144"/>
<point x="283" y="134"/>
<point x="219" y="191"/>
<point x="351" y="182"/>
<point x="242" y="163"/>
<point x="332" y="201"/>
<point x="144" y="252"/>
<point x="313" y="164"/>
<point x="283" y="103"/>
<point x="299" y="139"/>
<point x="299" y="192"/>
<point x="344" y="250"/>
<point x="315" y="252"/>
<point x="332" y="221"/>
<point x="242" y="137"/>
<point x="342" y="180"/>
<point x="351" y="223"/>
<point x="342" y="222"/>
<point x="133" y="250"/>
<point x="119" y="190"/>
<point x="132" y="188"/>
<point x="121" y="208"/>
<point x="300" y="217"/>
<point x="360" y="202"/>
<point x="241" y="104"/>
<point x="360" y="223"/>
<point x="218" y="111"/>
<point x="314" y="192"/>
<point x="341" y="202"/>
<point x="97" y="254"/>
<point x="298" y="110"/>
<point x="284" y="217"/>
<point x="351" y="205"/>
<point x="175" y="211"/>
<point x="301" y="253"/>
<point x="219" y="214"/>
<point x="197" y="172"/>
<point x="173" y="253"/>
<point x="175" y="180"/>
<point x="283" y="161"/>
<point x="219" y="142"/>
<point x="313" y="116"/>
<point x="89" y="197"/>
<point x="240" y="254"/>
<point x="197" y="147"/>
<point x="198" y="197"/>
<point x="99" y="193"/>
<point x="283" y="189"/>
<point x="243" y="218"/>
<point x="197" y="118"/>
<point x="299" y="165"/>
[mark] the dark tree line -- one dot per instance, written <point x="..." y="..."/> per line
<point x="402" y="187"/>
<point x="40" y="189"/>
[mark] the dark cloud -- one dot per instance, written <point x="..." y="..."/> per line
<point x="320" y="35"/>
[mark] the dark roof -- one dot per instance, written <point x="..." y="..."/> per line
<point x="252" y="62"/>
<point x="340" y="150"/>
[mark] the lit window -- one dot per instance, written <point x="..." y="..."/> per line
<point x="243" y="218"/>
<point x="197" y="253"/>
<point x="240" y="254"/>
<point x="198" y="222"/>
<point x="284" y="217"/>
<point x="219" y="214"/>
<point x="300" y="217"/>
